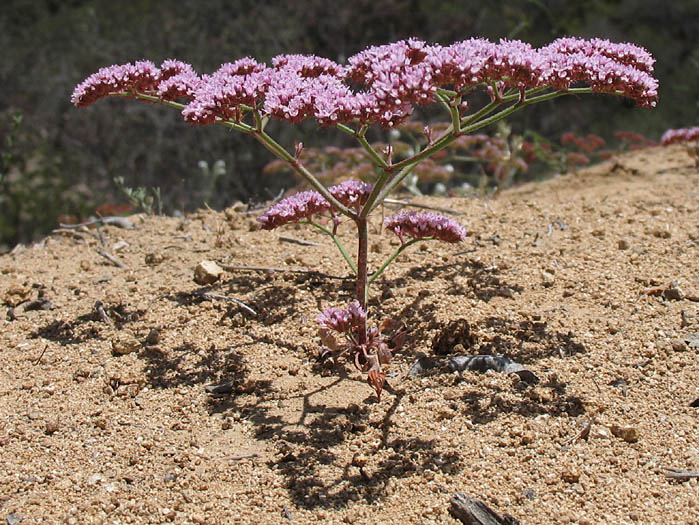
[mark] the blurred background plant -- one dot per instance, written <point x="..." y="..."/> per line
<point x="473" y="164"/>
<point x="66" y="160"/>
<point x="141" y="198"/>
<point x="35" y="186"/>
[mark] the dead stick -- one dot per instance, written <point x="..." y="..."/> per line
<point x="583" y="434"/>
<point x="302" y="242"/>
<point x="240" y="303"/>
<point x="245" y="456"/>
<point x="230" y="268"/>
<point x="103" y="315"/>
<point x="684" y="475"/>
<point x="38" y="360"/>
<point x="111" y="258"/>
<point x="421" y="206"/>
<point x="77" y="235"/>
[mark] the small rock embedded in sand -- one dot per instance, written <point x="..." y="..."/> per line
<point x="623" y="244"/>
<point x="692" y="340"/>
<point x="627" y="433"/>
<point x="153" y="337"/>
<point x="571" y="475"/>
<point x="547" y="279"/>
<point x="600" y="432"/>
<point x="123" y="344"/>
<point x="52" y="426"/>
<point x="673" y="292"/>
<point x="152" y="259"/>
<point x="207" y="272"/>
<point x="688" y="318"/>
<point x="678" y="345"/>
<point x="17" y="294"/>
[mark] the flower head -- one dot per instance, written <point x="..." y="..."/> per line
<point x="351" y="193"/>
<point x="300" y="206"/>
<point x="177" y="80"/>
<point x="425" y="225"/>
<point x="342" y="321"/>
<point x="679" y="135"/>
<point x="303" y="205"/>
<point x="389" y="79"/>
<point x="139" y="76"/>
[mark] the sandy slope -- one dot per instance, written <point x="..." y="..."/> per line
<point x="89" y="436"/>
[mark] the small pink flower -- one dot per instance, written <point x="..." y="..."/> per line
<point x="425" y="226"/>
<point x="125" y="78"/>
<point x="351" y="193"/>
<point x="342" y="321"/>
<point x="298" y="207"/>
<point x="306" y="204"/>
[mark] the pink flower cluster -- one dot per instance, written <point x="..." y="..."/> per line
<point x="342" y="321"/>
<point x="304" y="205"/>
<point x="679" y="135"/>
<point x="425" y="226"/>
<point x="390" y="79"/>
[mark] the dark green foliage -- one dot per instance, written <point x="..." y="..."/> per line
<point x="49" y="46"/>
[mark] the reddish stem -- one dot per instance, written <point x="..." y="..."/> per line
<point x="362" y="279"/>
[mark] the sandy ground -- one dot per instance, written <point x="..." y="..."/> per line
<point x="590" y="281"/>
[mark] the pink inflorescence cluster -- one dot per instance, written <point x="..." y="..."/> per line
<point x="680" y="135"/>
<point x="342" y="321"/>
<point x="380" y="84"/>
<point x="425" y="226"/>
<point x="306" y="204"/>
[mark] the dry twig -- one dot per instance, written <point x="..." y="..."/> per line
<point x="302" y="242"/>
<point x="209" y="295"/>
<point x="680" y="474"/>
<point x="244" y="456"/>
<point x="230" y="268"/>
<point x="473" y="512"/>
<point x="38" y="359"/>
<point x="421" y="206"/>
<point x="102" y="314"/>
<point x="111" y="258"/>
<point x="583" y="434"/>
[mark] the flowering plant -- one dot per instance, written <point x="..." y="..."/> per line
<point x="378" y="86"/>
<point x="688" y="136"/>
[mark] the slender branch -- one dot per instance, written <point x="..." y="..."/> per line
<point x="238" y="126"/>
<point x="387" y="188"/>
<point x="299" y="168"/>
<point x="455" y="117"/>
<point x="273" y="146"/>
<point x="362" y="288"/>
<point x="443" y="102"/>
<point x="339" y="245"/>
<point x="150" y="98"/>
<point x="391" y="258"/>
<point x="468" y="125"/>
<point x="448" y="93"/>
<point x="373" y="155"/>
<point x="346" y="129"/>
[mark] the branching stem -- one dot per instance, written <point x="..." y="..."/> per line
<point x="339" y="245"/>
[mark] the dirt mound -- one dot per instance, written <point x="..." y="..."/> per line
<point x="590" y="281"/>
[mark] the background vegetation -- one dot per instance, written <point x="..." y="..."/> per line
<point x="58" y="160"/>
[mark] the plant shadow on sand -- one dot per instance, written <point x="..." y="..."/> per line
<point x="309" y="448"/>
<point x="87" y="326"/>
<point x="312" y="444"/>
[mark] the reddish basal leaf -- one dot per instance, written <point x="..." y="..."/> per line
<point x="377" y="380"/>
